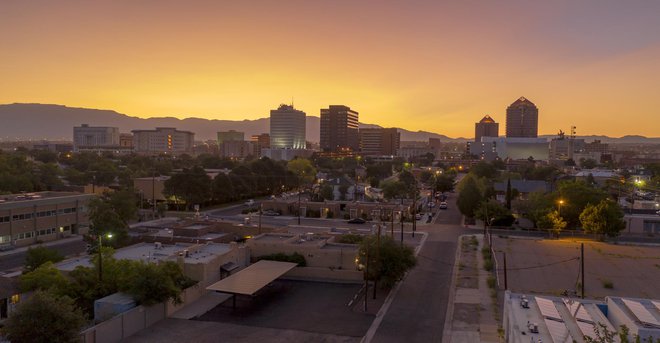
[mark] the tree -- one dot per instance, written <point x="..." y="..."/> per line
<point x="110" y="214"/>
<point x="394" y="189"/>
<point x="509" y="194"/>
<point x="39" y="255"/>
<point x="45" y="318"/>
<point x="484" y="169"/>
<point x="45" y="278"/>
<point x="576" y="195"/>
<point x="552" y="221"/>
<point x="303" y="169"/>
<point x="605" y="218"/>
<point x="493" y="213"/>
<point x="327" y="192"/>
<point x="154" y="283"/>
<point x="588" y="163"/>
<point x="469" y="197"/>
<point x="444" y="183"/>
<point x="391" y="261"/>
<point x="408" y="180"/>
<point x="192" y="185"/>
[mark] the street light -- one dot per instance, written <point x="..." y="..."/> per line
<point x="561" y="202"/>
<point x="108" y="235"/>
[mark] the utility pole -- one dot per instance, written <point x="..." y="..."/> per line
<point x="261" y="207"/>
<point x="153" y="194"/>
<point x="401" y="217"/>
<point x="392" y="223"/>
<point x="582" y="266"/>
<point x="506" y="284"/>
<point x="366" y="280"/>
<point x="298" y="201"/>
<point x="414" y="211"/>
<point x="377" y="261"/>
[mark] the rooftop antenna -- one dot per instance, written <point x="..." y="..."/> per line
<point x="291" y="101"/>
<point x="573" y="132"/>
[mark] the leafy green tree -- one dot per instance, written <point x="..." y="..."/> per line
<point x="45" y="318"/>
<point x="45" y="278"/>
<point x="576" y="195"/>
<point x="552" y="221"/>
<point x="588" y="163"/>
<point x="327" y="192"/>
<point x="604" y="218"/>
<point x="444" y="182"/>
<point x="39" y="255"/>
<point x="303" y="169"/>
<point x="493" y="213"/>
<point x="111" y="213"/>
<point x="394" y="189"/>
<point x="388" y="262"/>
<point x="223" y="189"/>
<point x="151" y="283"/>
<point x="408" y="180"/>
<point x="192" y="186"/>
<point x="469" y="197"/>
<point x="484" y="169"/>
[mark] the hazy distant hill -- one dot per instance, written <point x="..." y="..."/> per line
<point x="39" y="121"/>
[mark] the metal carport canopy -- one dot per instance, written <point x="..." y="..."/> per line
<point x="253" y="278"/>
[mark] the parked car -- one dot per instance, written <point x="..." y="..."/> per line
<point x="270" y="213"/>
<point x="249" y="203"/>
<point x="418" y="216"/>
<point x="443" y="205"/>
<point x="357" y="221"/>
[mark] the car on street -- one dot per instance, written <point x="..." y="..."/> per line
<point x="443" y="205"/>
<point x="249" y="203"/>
<point x="418" y="216"/>
<point x="357" y="221"/>
<point x="270" y="213"/>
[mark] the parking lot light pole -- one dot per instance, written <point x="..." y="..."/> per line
<point x="109" y="235"/>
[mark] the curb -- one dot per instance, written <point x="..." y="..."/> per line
<point x="390" y="297"/>
<point x="446" y="331"/>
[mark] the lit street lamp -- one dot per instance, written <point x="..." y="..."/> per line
<point x="108" y="235"/>
<point x="561" y="202"/>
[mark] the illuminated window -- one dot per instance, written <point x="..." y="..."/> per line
<point x="15" y="298"/>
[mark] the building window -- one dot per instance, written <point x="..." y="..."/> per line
<point x="15" y="299"/>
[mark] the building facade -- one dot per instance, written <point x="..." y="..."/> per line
<point x="236" y="149"/>
<point x="522" y="119"/>
<point x="287" y="128"/>
<point x="163" y="140"/>
<point x="259" y="142"/>
<point x="486" y="127"/>
<point x="379" y="141"/>
<point x="87" y="137"/>
<point x="231" y="135"/>
<point x="26" y="219"/>
<point x="339" y="129"/>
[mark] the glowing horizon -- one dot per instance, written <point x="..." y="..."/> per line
<point x="424" y="65"/>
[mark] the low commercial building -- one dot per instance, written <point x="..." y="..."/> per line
<point x="163" y="140"/>
<point x="516" y="148"/>
<point x="286" y="154"/>
<point x="9" y="297"/>
<point x="642" y="224"/>
<point x="31" y="218"/>
<point x="570" y="319"/>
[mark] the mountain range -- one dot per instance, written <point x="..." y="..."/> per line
<point x="56" y="122"/>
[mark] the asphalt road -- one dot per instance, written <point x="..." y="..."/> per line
<point x="417" y="313"/>
<point x="15" y="260"/>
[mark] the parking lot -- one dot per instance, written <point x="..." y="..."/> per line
<point x="551" y="266"/>
<point x="298" y="305"/>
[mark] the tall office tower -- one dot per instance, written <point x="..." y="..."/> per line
<point x="379" y="141"/>
<point x="339" y="129"/>
<point x="94" y="137"/>
<point x="287" y="128"/>
<point x="261" y="141"/>
<point x="486" y="127"/>
<point x="522" y="119"/>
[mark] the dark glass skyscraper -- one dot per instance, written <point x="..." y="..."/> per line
<point x="522" y="119"/>
<point x="339" y="129"/>
<point x="486" y="127"/>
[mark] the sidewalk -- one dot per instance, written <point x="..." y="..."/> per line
<point x="72" y="238"/>
<point x="472" y="312"/>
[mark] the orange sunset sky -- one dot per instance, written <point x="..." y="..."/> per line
<point x="421" y="65"/>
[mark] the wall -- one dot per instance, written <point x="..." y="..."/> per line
<point x="124" y="325"/>
<point x="325" y="275"/>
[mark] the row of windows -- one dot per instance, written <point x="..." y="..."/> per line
<point x="42" y="232"/>
<point x="26" y="216"/>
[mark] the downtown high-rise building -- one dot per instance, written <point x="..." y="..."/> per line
<point x="287" y="128"/>
<point x="486" y="127"/>
<point x="339" y="129"/>
<point x="379" y="141"/>
<point x="522" y="119"/>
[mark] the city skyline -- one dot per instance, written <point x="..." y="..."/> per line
<point x="445" y="64"/>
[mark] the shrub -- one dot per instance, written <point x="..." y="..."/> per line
<point x="492" y="282"/>
<point x="349" y="238"/>
<point x="295" y="258"/>
<point x="488" y="265"/>
<point x="607" y="284"/>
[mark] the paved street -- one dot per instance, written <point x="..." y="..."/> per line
<point x="417" y="313"/>
<point x="15" y="259"/>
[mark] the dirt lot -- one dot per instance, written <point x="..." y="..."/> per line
<point x="543" y="266"/>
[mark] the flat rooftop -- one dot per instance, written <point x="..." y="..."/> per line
<point x="139" y="252"/>
<point x="271" y="237"/>
<point x="23" y="197"/>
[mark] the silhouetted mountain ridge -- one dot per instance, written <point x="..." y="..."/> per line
<point x="53" y="122"/>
